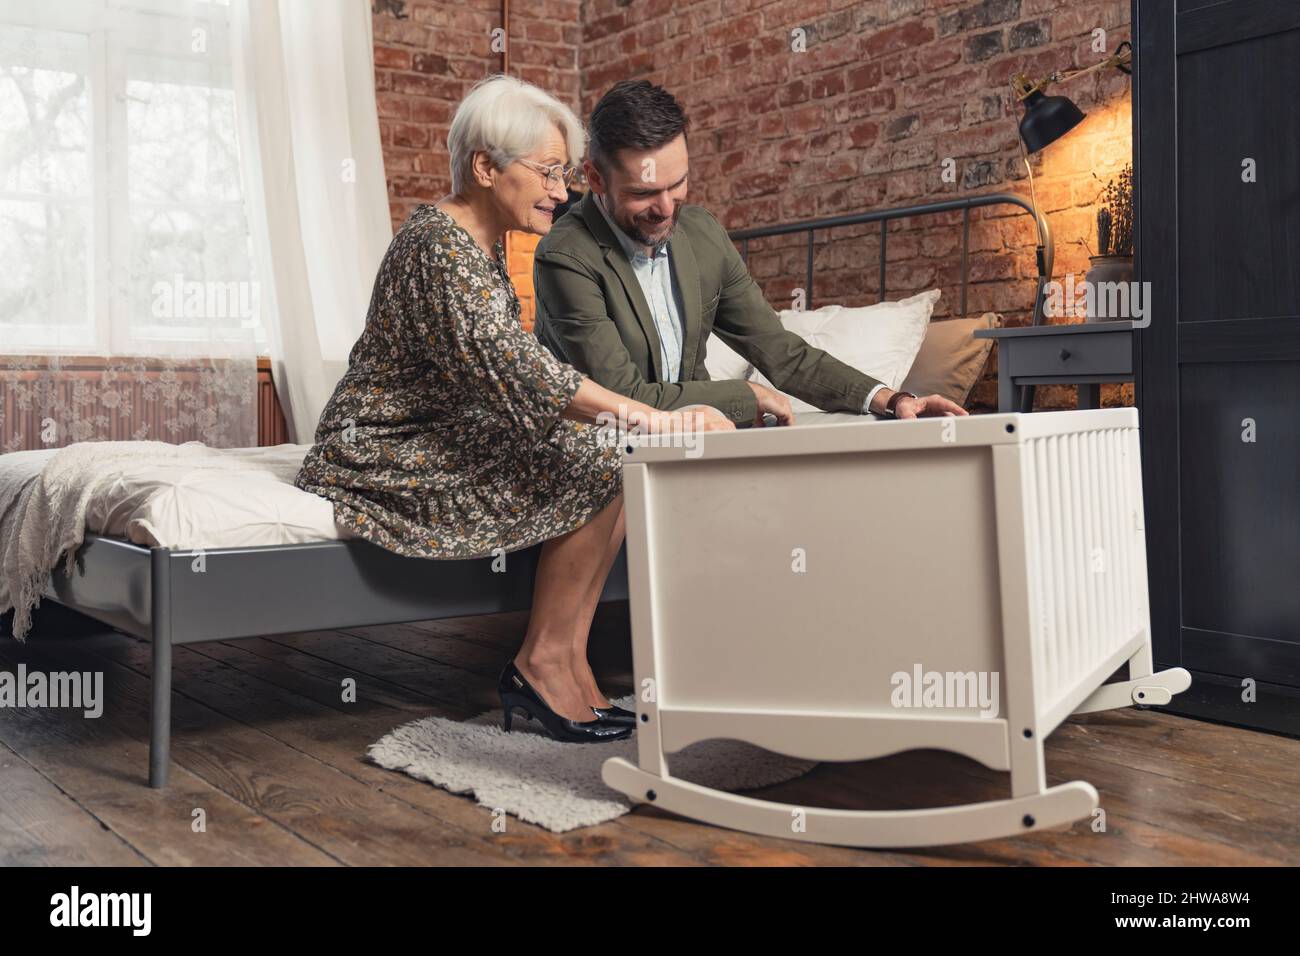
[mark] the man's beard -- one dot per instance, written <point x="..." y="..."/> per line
<point x="636" y="235"/>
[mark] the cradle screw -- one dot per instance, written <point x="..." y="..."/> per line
<point x="1028" y="733"/>
<point x="650" y="795"/>
<point x="1011" y="428"/>
<point x="645" y="718"/>
<point x="629" y="449"/>
<point x="1028" y="820"/>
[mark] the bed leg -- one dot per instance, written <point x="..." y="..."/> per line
<point x="160" y="713"/>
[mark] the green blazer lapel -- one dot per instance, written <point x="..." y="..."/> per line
<point x="616" y="260"/>
<point x="687" y="272"/>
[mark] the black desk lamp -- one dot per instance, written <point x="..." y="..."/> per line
<point x="1047" y="119"/>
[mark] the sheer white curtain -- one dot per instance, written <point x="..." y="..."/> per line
<point x="184" y="184"/>
<point x="129" y="299"/>
<point x="304" y="85"/>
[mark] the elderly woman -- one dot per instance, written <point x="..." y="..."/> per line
<point x="455" y="434"/>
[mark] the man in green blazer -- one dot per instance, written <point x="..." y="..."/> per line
<point x="632" y="279"/>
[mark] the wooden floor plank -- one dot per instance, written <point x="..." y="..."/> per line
<point x="341" y="817"/>
<point x="310" y="717"/>
<point x="1134" y="834"/>
<point x="265" y="742"/>
<point x="103" y="763"/>
<point x="40" y="825"/>
<point x="1255" y="764"/>
<point x="692" y="838"/>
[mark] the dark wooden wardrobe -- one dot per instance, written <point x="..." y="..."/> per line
<point x="1217" y="105"/>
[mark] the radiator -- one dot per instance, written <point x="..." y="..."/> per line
<point x="847" y="591"/>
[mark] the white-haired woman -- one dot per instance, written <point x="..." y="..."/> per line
<point x="455" y="434"/>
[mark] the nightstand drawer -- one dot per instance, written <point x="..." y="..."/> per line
<point x="1081" y="353"/>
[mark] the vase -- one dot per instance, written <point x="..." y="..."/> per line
<point x="1108" y="269"/>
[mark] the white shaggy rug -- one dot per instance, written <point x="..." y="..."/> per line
<point x="557" y="785"/>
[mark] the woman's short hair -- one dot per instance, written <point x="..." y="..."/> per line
<point x="506" y="118"/>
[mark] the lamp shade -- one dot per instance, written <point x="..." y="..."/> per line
<point x="1047" y="119"/>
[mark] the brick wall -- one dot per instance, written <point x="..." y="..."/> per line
<point x="428" y="53"/>
<point x="865" y="116"/>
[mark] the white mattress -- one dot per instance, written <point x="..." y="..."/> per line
<point x="182" y="506"/>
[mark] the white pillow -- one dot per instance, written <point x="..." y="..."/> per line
<point x="723" y="362"/>
<point x="878" y="340"/>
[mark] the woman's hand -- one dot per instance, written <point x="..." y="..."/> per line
<point x="595" y="404"/>
<point x="706" y="418"/>
<point x="692" y="418"/>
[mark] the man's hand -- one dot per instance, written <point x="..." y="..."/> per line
<point x="772" y="403"/>
<point x="927" y="406"/>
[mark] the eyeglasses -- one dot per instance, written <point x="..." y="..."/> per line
<point x="559" y="173"/>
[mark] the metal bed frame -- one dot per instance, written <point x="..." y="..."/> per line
<point x="1044" y="252"/>
<point x="157" y="595"/>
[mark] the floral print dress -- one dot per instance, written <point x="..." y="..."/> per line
<point x="443" y="438"/>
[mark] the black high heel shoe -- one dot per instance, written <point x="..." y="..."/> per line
<point x="614" y="714"/>
<point x="515" y="692"/>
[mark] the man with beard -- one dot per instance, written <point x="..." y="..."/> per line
<point x="631" y="281"/>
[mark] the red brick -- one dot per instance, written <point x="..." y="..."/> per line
<point x="865" y="77"/>
<point x="392" y="57"/>
<point x="864" y="134"/>
<point x="912" y="33"/>
<point x="408" y="134"/>
<point x="429" y="63"/>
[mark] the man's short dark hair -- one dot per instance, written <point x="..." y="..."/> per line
<point x="633" y="114"/>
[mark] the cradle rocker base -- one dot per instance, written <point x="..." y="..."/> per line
<point x="938" y="826"/>
<point x="1156" y="688"/>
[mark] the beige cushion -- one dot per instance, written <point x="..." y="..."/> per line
<point x="951" y="359"/>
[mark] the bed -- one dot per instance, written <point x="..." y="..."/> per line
<point x="302" y="573"/>
<point x="962" y="584"/>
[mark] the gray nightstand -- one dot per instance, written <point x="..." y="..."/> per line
<point x="1083" y="354"/>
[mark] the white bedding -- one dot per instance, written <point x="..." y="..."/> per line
<point x="181" y="504"/>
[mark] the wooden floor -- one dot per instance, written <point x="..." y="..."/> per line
<point x="264" y="745"/>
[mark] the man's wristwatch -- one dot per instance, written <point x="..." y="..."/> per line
<point x="893" y="401"/>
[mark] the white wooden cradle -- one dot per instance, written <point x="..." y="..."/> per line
<point x="783" y="580"/>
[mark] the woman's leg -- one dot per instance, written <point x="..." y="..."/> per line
<point x="587" y="612"/>
<point x="565" y="572"/>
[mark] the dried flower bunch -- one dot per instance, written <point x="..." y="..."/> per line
<point x="1115" y="218"/>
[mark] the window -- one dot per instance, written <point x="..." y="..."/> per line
<point x="122" y="222"/>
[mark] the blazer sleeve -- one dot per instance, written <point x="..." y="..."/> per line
<point x="576" y="317"/>
<point x="746" y="322"/>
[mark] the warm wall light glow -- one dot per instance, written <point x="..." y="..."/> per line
<point x="1064" y="174"/>
<point x="519" y="262"/>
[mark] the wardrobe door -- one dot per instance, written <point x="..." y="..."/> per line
<point x="1217" y="172"/>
